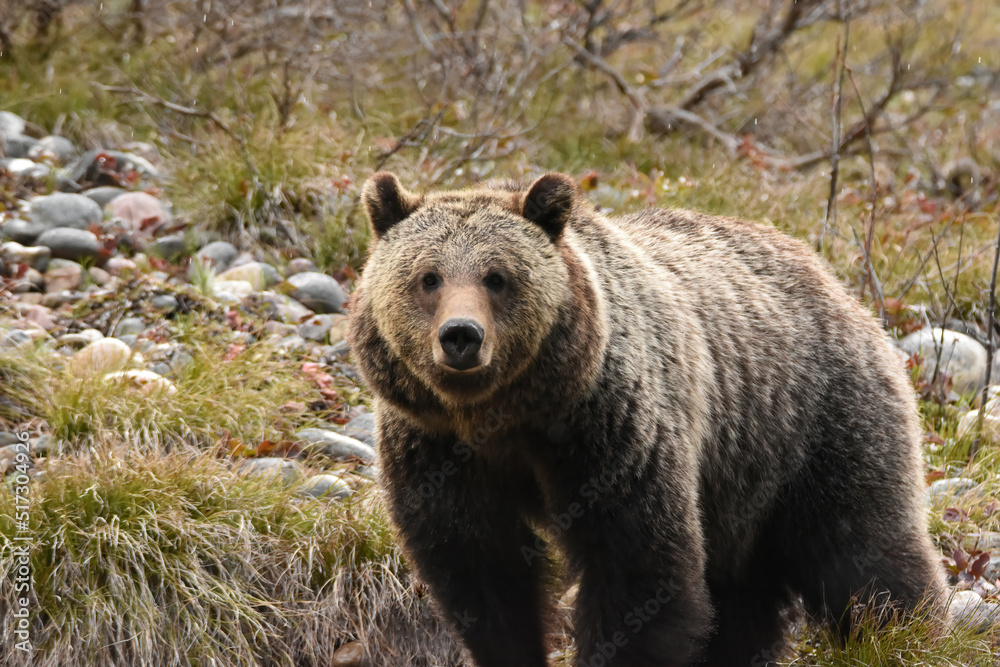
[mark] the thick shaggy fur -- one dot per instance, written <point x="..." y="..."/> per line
<point x="690" y="408"/>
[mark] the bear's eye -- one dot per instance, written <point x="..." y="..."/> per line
<point x="494" y="281"/>
<point x="431" y="280"/>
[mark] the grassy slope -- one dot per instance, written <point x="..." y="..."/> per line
<point x="141" y="538"/>
<point x="174" y="559"/>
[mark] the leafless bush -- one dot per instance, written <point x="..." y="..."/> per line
<point x="445" y="90"/>
<point x="467" y="79"/>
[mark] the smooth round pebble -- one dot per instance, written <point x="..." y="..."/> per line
<point x="318" y="326"/>
<point x="103" y="356"/>
<point x="960" y="356"/>
<point x="57" y="299"/>
<point x="40" y="315"/>
<point x="63" y="275"/>
<point x="63" y="209"/>
<point x="11" y="124"/>
<point x="93" y="166"/>
<point x="164" y="302"/>
<point x="258" y="274"/>
<point x="231" y="290"/>
<point x="171" y="248"/>
<point x="217" y="254"/>
<point x="160" y="368"/>
<point x="968" y="610"/>
<point x="341" y="349"/>
<point x="148" y="382"/>
<point x="129" y="326"/>
<point x="99" y="276"/>
<point x="360" y="428"/>
<point x="336" y="446"/>
<point x="84" y="337"/>
<point x="279" y="328"/>
<point x="31" y="280"/>
<point x="37" y="257"/>
<point x="275" y="468"/>
<point x="70" y="243"/>
<point x="180" y="360"/>
<point x="22" y="231"/>
<point x="104" y="194"/>
<point x="138" y="209"/>
<point x="301" y="265"/>
<point x="968" y="425"/>
<point x="325" y="485"/>
<point x="987" y="541"/>
<point x="351" y="654"/>
<point x="286" y="307"/>
<point x="292" y="343"/>
<point x="45" y="444"/>
<point x="14" y="338"/>
<point x="19" y="146"/>
<point x="24" y="167"/>
<point x="318" y="292"/>
<point x="53" y="146"/>
<point x="950" y="488"/>
<point x="116" y="265"/>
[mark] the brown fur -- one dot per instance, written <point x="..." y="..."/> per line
<point x="706" y="422"/>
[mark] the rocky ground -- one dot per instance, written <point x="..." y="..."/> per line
<point x="109" y="294"/>
<point x="95" y="270"/>
<point x="104" y="288"/>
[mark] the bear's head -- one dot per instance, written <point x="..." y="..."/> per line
<point x="463" y="287"/>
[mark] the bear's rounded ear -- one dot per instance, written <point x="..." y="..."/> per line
<point x="386" y="201"/>
<point x="549" y="203"/>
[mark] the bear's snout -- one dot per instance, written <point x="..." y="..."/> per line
<point x="461" y="338"/>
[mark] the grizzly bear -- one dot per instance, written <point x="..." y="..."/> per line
<point x="688" y="413"/>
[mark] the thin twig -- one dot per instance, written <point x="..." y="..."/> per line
<point x="961" y="242"/>
<point x="865" y="126"/>
<point x="951" y="291"/>
<point x="991" y="319"/>
<point x="665" y="116"/>
<point x="637" y="106"/>
<point x="952" y="305"/>
<point x="869" y="236"/>
<point x="177" y="108"/>
<point x="935" y="239"/>
<point x="830" y="215"/>
<point x="756" y="52"/>
<point x="418" y="30"/>
<point x="413" y="137"/>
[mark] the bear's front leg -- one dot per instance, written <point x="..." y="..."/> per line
<point x="461" y="524"/>
<point x="636" y="541"/>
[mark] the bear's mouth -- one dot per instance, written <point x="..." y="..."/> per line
<point x="463" y="386"/>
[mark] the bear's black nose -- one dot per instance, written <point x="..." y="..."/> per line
<point x="461" y="339"/>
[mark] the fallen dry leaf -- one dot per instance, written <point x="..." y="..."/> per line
<point x="954" y="515"/>
<point x="283" y="448"/>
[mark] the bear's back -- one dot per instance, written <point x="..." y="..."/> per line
<point x="753" y="285"/>
<point x="794" y="356"/>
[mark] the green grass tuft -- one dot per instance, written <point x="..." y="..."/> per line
<point x="175" y="559"/>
